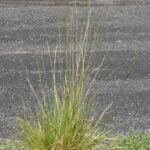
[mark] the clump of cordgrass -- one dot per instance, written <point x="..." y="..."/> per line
<point x="66" y="125"/>
<point x="65" y="122"/>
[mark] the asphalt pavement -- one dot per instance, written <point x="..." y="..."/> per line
<point x="120" y="31"/>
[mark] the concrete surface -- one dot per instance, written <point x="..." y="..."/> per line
<point x="123" y="33"/>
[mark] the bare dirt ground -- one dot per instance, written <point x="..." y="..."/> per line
<point x="123" y="30"/>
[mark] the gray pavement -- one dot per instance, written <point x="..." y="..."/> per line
<point x="123" y="34"/>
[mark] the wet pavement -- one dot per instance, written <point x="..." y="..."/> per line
<point x="122" y="33"/>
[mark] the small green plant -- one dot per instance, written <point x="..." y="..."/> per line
<point x="9" y="145"/>
<point x="135" y="140"/>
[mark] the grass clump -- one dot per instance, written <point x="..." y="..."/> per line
<point x="67" y="124"/>
<point x="64" y="121"/>
<point x="135" y="140"/>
